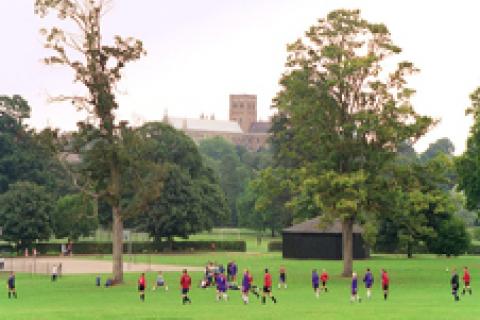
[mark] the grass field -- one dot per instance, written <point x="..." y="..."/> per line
<point x="419" y="290"/>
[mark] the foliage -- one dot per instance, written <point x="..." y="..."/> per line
<point x="468" y="164"/>
<point x="25" y="213"/>
<point x="261" y="206"/>
<point x="191" y="199"/>
<point x="441" y="146"/>
<point x="342" y="115"/>
<point x="74" y="216"/>
<point x="235" y="167"/>
<point x="416" y="203"/>
<point x="451" y="238"/>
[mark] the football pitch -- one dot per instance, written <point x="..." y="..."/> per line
<point x="419" y="290"/>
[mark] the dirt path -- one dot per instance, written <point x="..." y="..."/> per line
<point x="77" y="265"/>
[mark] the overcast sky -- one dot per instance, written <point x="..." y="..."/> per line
<point x="199" y="52"/>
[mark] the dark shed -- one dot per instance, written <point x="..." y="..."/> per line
<point x="307" y="240"/>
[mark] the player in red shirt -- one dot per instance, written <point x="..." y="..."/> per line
<point x="141" y="286"/>
<point x="466" y="281"/>
<point x="385" y="283"/>
<point x="267" y="287"/>
<point x="324" y="279"/>
<point x="185" y="283"/>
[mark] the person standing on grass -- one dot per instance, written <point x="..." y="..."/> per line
<point x="221" y="287"/>
<point x="11" y="286"/>
<point x="54" y="273"/>
<point x="355" y="297"/>
<point x="267" y="287"/>
<point x="234" y="271"/>
<point x="246" y="286"/>
<point x="385" y="284"/>
<point x="466" y="281"/>
<point x="283" y="277"/>
<point x="142" y="284"/>
<point x="324" y="279"/>
<point x="316" y="283"/>
<point x="185" y="283"/>
<point x="455" y="283"/>
<point x="368" y="280"/>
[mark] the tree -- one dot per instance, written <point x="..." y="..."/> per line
<point x="468" y="164"/>
<point x="414" y="203"/>
<point x="342" y="115"/>
<point x="452" y="238"/>
<point x="441" y="146"/>
<point x="98" y="67"/>
<point x="74" y="216"/>
<point x="223" y="158"/>
<point x="261" y="206"/>
<point x="25" y="214"/>
<point x="191" y="199"/>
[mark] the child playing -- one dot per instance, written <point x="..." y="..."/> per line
<point x="142" y="283"/>
<point x="454" y="281"/>
<point x="316" y="283"/>
<point x="267" y="287"/>
<point x="283" y="277"/>
<point x="185" y="283"/>
<point x="324" y="279"/>
<point x="355" y="296"/>
<point x="466" y="281"/>
<point x="246" y="286"/>
<point x="160" y="282"/>
<point x="368" y="280"/>
<point x="11" y="286"/>
<point x="385" y="284"/>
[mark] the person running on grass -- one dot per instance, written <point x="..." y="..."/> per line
<point x="466" y="281"/>
<point x="185" y="283"/>
<point x="11" y="286"/>
<point x="253" y="287"/>
<point x="355" y="297"/>
<point x="267" y="287"/>
<point x="283" y="277"/>
<point x="316" y="283"/>
<point x="455" y="283"/>
<point x="385" y="284"/>
<point x="142" y="283"/>
<point x="368" y="280"/>
<point x="324" y="278"/>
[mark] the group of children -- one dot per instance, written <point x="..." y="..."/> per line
<point x="223" y="284"/>
<point x="368" y="280"/>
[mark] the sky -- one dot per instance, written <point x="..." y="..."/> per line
<point x="199" y="52"/>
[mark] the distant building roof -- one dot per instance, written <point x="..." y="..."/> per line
<point x="260" y="127"/>
<point x="313" y="226"/>
<point x="205" y="125"/>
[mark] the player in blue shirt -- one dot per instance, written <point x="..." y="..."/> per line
<point x="316" y="283"/>
<point x="222" y="285"/>
<point x="355" y="296"/>
<point x="246" y="286"/>
<point x="368" y="280"/>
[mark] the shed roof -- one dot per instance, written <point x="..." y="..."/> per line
<point x="313" y="226"/>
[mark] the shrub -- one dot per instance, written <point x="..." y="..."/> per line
<point x="275" y="245"/>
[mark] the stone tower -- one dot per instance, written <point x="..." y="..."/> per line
<point x="243" y="109"/>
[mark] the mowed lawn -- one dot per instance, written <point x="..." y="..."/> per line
<point x="419" y="290"/>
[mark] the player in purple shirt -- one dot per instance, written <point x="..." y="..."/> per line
<point x="368" y="280"/>
<point x="246" y="286"/>
<point x="355" y="296"/>
<point x="316" y="283"/>
<point x="221" y="287"/>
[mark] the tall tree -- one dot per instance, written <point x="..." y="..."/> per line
<point x="98" y="67"/>
<point x="342" y="115"/>
<point x="468" y="164"/>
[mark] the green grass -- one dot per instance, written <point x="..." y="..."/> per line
<point x="419" y="290"/>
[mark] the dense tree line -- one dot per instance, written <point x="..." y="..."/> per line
<point x="44" y="195"/>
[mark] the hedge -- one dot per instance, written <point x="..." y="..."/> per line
<point x="275" y="245"/>
<point x="145" y="247"/>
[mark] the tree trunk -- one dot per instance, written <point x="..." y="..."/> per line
<point x="409" y="250"/>
<point x="117" y="245"/>
<point x="347" y="247"/>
